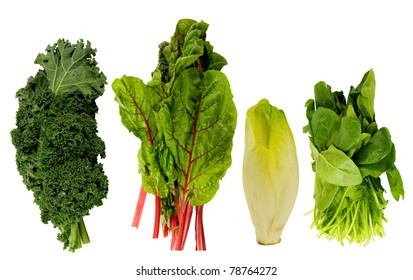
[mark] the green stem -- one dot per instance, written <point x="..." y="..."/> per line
<point x="353" y="218"/>
<point x="83" y="232"/>
<point x="338" y="209"/>
<point x="75" y="241"/>
<point x="78" y="236"/>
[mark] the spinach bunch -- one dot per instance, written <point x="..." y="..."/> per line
<point x="57" y="146"/>
<point x="350" y="153"/>
<point x="185" y="118"/>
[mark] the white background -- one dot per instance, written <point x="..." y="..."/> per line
<point x="275" y="49"/>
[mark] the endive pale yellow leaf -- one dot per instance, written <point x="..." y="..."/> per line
<point x="270" y="171"/>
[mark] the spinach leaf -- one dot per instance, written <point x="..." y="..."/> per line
<point x="378" y="168"/>
<point x="349" y="133"/>
<point x="323" y="96"/>
<point x="350" y="153"/>
<point x="324" y="125"/>
<point x="365" y="100"/>
<point x="335" y="167"/>
<point x="324" y="193"/>
<point x="363" y="140"/>
<point x="395" y="182"/>
<point x="378" y="147"/>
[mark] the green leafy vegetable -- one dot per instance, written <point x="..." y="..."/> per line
<point x="185" y="118"/>
<point x="270" y="171"/>
<point x="335" y="167"/>
<point x="349" y="154"/>
<point x="57" y="146"/>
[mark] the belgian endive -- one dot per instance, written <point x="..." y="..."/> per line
<point x="270" y="171"/>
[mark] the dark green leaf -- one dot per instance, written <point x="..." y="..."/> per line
<point x="363" y="140"/>
<point x="395" y="182"/>
<point x="379" y="146"/>
<point x="324" y="125"/>
<point x="349" y="133"/>
<point x="378" y="168"/>
<point x="324" y="97"/>
<point x="72" y="69"/>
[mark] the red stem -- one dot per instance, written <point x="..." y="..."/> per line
<point x="139" y="208"/>
<point x="184" y="222"/>
<point x="165" y="230"/>
<point x="188" y="218"/>
<point x="174" y="223"/>
<point x="157" y="217"/>
<point x="199" y="229"/>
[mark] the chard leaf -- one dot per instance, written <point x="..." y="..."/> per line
<point x="337" y="168"/>
<point x="203" y="120"/>
<point x="395" y="182"/>
<point x="213" y="60"/>
<point x="193" y="48"/>
<point x="72" y="68"/>
<point x="379" y="146"/>
<point x="136" y="102"/>
<point x="135" y="107"/>
<point x="324" y="125"/>
<point x="370" y="128"/>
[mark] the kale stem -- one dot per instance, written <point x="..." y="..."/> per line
<point x="75" y="241"/>
<point x="83" y="232"/>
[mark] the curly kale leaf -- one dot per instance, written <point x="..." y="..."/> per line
<point x="72" y="68"/>
<point x="34" y="101"/>
<point x="57" y="146"/>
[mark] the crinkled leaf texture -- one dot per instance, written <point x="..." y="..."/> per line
<point x="57" y="146"/>
<point x="270" y="171"/>
<point x="186" y="119"/>
<point x="136" y="101"/>
<point x="72" y="68"/>
<point x="203" y="118"/>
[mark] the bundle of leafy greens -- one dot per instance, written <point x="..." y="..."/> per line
<point x="57" y="146"/>
<point x="350" y="153"/>
<point x="185" y="118"/>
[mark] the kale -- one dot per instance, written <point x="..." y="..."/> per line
<point x="57" y="146"/>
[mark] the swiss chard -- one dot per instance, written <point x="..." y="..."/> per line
<point x="350" y="153"/>
<point x="185" y="118"/>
